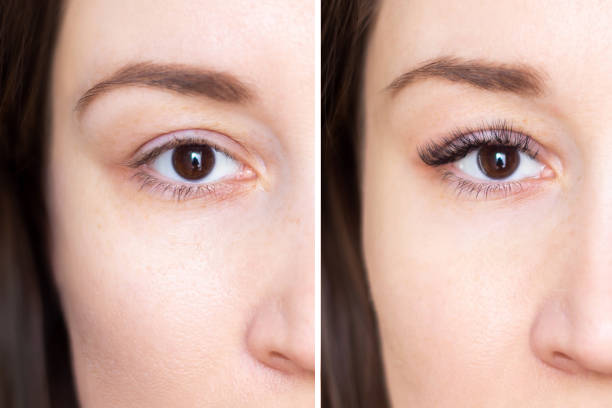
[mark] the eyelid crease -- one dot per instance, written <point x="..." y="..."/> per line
<point x="463" y="141"/>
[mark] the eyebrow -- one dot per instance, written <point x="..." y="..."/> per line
<point x="520" y="79"/>
<point x="186" y="80"/>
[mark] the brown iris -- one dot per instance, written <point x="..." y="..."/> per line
<point x="498" y="162"/>
<point x="193" y="162"/>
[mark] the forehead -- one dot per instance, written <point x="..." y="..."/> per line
<point x="253" y="40"/>
<point x="543" y="33"/>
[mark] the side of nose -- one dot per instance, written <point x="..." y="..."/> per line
<point x="281" y="333"/>
<point x="280" y="329"/>
<point x="573" y="327"/>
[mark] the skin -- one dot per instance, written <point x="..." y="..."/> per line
<point x="207" y="301"/>
<point x="501" y="301"/>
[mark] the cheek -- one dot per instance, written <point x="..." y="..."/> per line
<point x="156" y="301"/>
<point x="456" y="287"/>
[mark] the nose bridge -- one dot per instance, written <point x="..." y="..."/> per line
<point x="591" y="283"/>
<point x="592" y="220"/>
<point x="280" y="334"/>
<point x="574" y="330"/>
<point x="295" y="292"/>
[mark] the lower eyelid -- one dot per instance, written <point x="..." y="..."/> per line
<point x="481" y="191"/>
<point x="172" y="191"/>
<point x="151" y="181"/>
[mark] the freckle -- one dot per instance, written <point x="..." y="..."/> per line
<point x="296" y="220"/>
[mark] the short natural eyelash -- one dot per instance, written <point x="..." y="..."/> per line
<point x="178" y="192"/>
<point x="478" y="190"/>
<point x="174" y="142"/>
<point x="462" y="141"/>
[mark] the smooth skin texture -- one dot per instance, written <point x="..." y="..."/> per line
<point x="501" y="302"/>
<point x="207" y="301"/>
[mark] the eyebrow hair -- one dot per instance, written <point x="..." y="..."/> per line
<point x="519" y="78"/>
<point x="183" y="79"/>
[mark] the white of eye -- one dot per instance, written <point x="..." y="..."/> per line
<point x="223" y="167"/>
<point x="527" y="167"/>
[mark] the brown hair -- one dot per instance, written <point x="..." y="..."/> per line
<point x="352" y="374"/>
<point x="35" y="369"/>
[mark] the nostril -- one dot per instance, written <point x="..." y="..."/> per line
<point x="564" y="362"/>
<point x="276" y="355"/>
<point x="559" y="355"/>
<point x="279" y="361"/>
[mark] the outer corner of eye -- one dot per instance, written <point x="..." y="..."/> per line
<point x="547" y="172"/>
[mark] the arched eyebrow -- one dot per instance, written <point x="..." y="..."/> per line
<point x="187" y="80"/>
<point x="519" y="78"/>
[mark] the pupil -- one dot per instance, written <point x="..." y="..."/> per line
<point x="497" y="161"/>
<point x="193" y="162"/>
<point x="500" y="160"/>
<point x="195" y="159"/>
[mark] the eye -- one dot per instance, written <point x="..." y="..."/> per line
<point x="195" y="163"/>
<point x="499" y="162"/>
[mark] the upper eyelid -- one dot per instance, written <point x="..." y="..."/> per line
<point x="463" y="141"/>
<point x="144" y="155"/>
<point x="147" y="157"/>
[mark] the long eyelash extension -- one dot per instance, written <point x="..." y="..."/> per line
<point x="481" y="190"/>
<point x="463" y="141"/>
<point x="178" y="192"/>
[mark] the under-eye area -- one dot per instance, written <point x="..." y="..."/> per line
<point x="191" y="164"/>
<point x="491" y="161"/>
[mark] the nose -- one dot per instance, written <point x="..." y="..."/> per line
<point x="281" y="334"/>
<point x="575" y="335"/>
<point x="280" y="328"/>
<point x="573" y="328"/>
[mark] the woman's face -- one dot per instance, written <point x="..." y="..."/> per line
<point x="181" y="194"/>
<point x="488" y="202"/>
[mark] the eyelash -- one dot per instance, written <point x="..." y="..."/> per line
<point x="178" y="192"/>
<point x="465" y="140"/>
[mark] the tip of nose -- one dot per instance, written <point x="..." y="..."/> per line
<point x="594" y="356"/>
